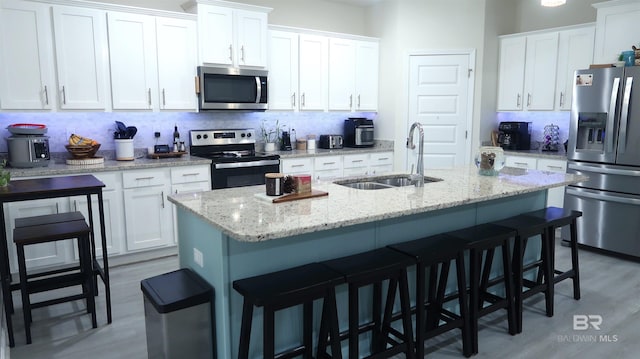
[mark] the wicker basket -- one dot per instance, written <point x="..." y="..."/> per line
<point x="82" y="151"/>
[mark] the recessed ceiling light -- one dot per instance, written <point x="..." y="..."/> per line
<point x="553" y="3"/>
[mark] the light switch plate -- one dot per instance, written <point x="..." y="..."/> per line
<point x="197" y="257"/>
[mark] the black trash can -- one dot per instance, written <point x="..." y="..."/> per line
<point x="178" y="310"/>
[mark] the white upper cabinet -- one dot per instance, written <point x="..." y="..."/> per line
<point x="313" y="72"/>
<point x="229" y="36"/>
<point x="540" y="71"/>
<point x="132" y="53"/>
<point x="353" y="75"/>
<point x="511" y="73"/>
<point x="616" y="29"/>
<point x="575" y="52"/>
<point x="283" y="70"/>
<point x="26" y="56"/>
<point x="177" y="62"/>
<point x="81" y="50"/>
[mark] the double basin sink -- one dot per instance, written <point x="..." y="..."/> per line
<point x="382" y="182"/>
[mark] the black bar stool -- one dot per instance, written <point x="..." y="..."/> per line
<point x="556" y="218"/>
<point x="431" y="317"/>
<point x="284" y="289"/>
<point x="53" y="228"/>
<point x="373" y="268"/>
<point x="527" y="227"/>
<point x="482" y="241"/>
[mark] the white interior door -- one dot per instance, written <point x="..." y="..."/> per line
<point x="439" y="92"/>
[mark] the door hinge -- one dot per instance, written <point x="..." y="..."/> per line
<point x="469" y="73"/>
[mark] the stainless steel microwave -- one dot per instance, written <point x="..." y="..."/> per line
<point x="221" y="88"/>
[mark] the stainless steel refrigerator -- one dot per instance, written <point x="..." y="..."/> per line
<point x="604" y="144"/>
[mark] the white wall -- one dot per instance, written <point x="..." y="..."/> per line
<point x="532" y="16"/>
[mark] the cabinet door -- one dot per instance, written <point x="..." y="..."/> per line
<point x="313" y="72"/>
<point x="540" y="73"/>
<point x="575" y="52"/>
<point x="327" y="167"/>
<point x="148" y="217"/>
<point x="81" y="49"/>
<point x="366" y="76"/>
<point x="113" y="220"/>
<point x="26" y="56"/>
<point x="380" y="163"/>
<point x="186" y="187"/>
<point x="132" y="55"/>
<point x="555" y="196"/>
<point x="300" y="165"/>
<point x="342" y="60"/>
<point x="43" y="254"/>
<point x="355" y="165"/>
<point x="177" y="62"/>
<point x="215" y="26"/>
<point x="283" y="70"/>
<point x="616" y="29"/>
<point x="252" y="37"/>
<point x="521" y="162"/>
<point x="511" y="73"/>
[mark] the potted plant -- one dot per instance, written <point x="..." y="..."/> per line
<point x="270" y="136"/>
<point x="5" y="176"/>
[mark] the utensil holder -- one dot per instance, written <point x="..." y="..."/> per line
<point x="124" y="149"/>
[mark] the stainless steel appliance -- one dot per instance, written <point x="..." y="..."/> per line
<point x="358" y="132"/>
<point x="221" y="88"/>
<point x="330" y="141"/>
<point x="235" y="162"/>
<point x="514" y="135"/>
<point x="604" y="144"/>
<point x="28" y="146"/>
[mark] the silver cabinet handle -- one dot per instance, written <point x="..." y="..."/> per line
<point x="350" y="101"/>
<point x="561" y="99"/>
<point x="521" y="163"/>
<point x="303" y="100"/>
<point x="162" y="194"/>
<point x="383" y="158"/>
<point x="144" y="178"/>
<point x="46" y="95"/>
<point x="164" y="98"/>
<point x="242" y="53"/>
<point x="64" y="96"/>
<point x="230" y="52"/>
<point x="358" y="101"/>
<point x="328" y="163"/>
<point x="355" y="161"/>
<point x="297" y="165"/>
<point x="528" y="100"/>
<point x="518" y="101"/>
<point x="601" y="196"/>
<point x="556" y="167"/>
<point x="189" y="174"/>
<point x="149" y="95"/>
<point x="293" y="100"/>
<point x="75" y="205"/>
<point x="57" y="208"/>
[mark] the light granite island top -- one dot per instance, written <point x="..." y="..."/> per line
<point x="230" y="234"/>
<point x="245" y="216"/>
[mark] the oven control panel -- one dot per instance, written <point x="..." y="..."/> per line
<point x="222" y="137"/>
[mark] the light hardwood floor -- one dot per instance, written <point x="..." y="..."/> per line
<point x="610" y="288"/>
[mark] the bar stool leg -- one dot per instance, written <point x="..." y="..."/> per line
<point x="268" y="332"/>
<point x="405" y="304"/>
<point x="518" y="262"/>
<point x="353" y="321"/>
<point x="420" y="310"/>
<point x="377" y="343"/>
<point x="547" y="252"/>
<point x="307" y="324"/>
<point x="26" y="306"/>
<point x="506" y="262"/>
<point x="245" y="329"/>
<point x="464" y="308"/>
<point x="574" y="259"/>
<point x="474" y="264"/>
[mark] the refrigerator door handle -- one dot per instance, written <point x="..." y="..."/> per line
<point x="601" y="196"/>
<point x="624" y="118"/>
<point x="612" y="114"/>
<point x="604" y="170"/>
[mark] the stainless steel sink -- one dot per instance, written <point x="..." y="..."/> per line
<point x="382" y="182"/>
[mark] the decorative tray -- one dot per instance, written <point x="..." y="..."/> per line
<point x="166" y="155"/>
<point x="291" y="196"/>
<point x="85" y="161"/>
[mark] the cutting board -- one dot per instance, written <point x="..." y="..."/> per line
<point x="166" y="155"/>
<point x="292" y="196"/>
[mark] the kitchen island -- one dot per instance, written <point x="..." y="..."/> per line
<point x="239" y="234"/>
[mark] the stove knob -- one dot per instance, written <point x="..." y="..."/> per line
<point x="205" y="136"/>
<point x="242" y="135"/>
<point x="249" y="134"/>
<point x="198" y="137"/>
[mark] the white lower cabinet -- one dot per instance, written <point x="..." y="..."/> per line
<point x="148" y="215"/>
<point x="355" y="165"/>
<point x="188" y="180"/>
<point x="327" y="168"/>
<point x="323" y="168"/>
<point x="297" y="166"/>
<point x="380" y="163"/>
<point x="555" y="196"/>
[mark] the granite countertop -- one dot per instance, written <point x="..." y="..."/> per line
<point x="379" y="146"/>
<point x="58" y="166"/>
<point x="246" y="215"/>
<point x="538" y="153"/>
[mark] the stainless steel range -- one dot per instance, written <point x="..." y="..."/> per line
<point x="235" y="161"/>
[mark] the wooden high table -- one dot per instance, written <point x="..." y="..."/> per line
<point x="43" y="188"/>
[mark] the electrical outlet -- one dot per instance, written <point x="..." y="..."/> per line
<point x="156" y="134"/>
<point x="197" y="257"/>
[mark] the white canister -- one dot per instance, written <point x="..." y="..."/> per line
<point x="124" y="149"/>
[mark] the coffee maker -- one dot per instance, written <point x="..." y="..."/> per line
<point x="286" y="141"/>
<point x="514" y="135"/>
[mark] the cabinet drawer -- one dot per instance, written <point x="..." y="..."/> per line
<point x="146" y="178"/>
<point x="381" y="158"/>
<point x="327" y="163"/>
<point x="552" y="165"/>
<point x="190" y="174"/>
<point x="111" y="180"/>
<point x="521" y="162"/>
<point x="327" y="175"/>
<point x="355" y="161"/>
<point x="297" y="165"/>
<point x="355" y="172"/>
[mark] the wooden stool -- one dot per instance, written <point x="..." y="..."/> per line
<point x="54" y="230"/>
<point x="555" y="218"/>
<point x="483" y="240"/>
<point x="372" y="268"/>
<point x="432" y="319"/>
<point x="527" y="227"/>
<point x="284" y="289"/>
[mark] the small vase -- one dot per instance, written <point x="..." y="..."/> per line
<point x="269" y="147"/>
<point x="489" y="160"/>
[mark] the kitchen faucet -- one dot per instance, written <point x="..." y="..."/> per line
<point x="418" y="178"/>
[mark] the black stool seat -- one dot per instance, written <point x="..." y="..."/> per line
<point x="287" y="288"/>
<point x="48" y="229"/>
<point x="372" y="268"/>
<point x="556" y="218"/>
<point x="482" y="240"/>
<point x="431" y="317"/>
<point x="526" y="227"/>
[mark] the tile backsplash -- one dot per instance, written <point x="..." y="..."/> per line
<point x="101" y="125"/>
<point x="538" y="121"/>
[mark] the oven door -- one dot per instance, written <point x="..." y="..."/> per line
<point x="239" y="174"/>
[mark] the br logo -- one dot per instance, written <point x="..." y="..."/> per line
<point x="583" y="321"/>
